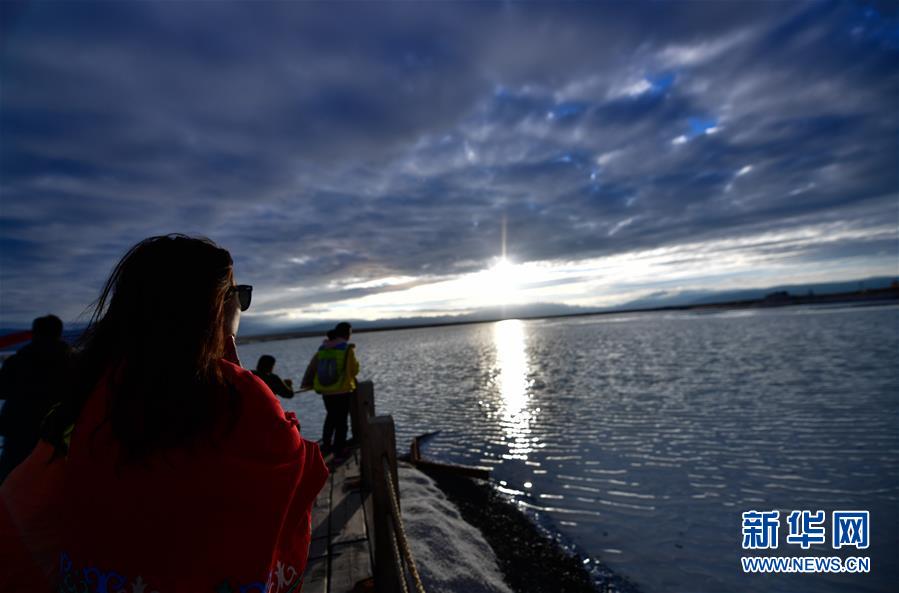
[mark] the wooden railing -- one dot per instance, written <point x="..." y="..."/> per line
<point x="394" y="567"/>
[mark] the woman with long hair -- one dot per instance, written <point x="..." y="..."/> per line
<point x="166" y="467"/>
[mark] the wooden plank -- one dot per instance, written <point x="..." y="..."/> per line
<point x="320" y="510"/>
<point x="347" y="515"/>
<point x="315" y="579"/>
<point x="350" y="563"/>
<point x="318" y="547"/>
<point x="352" y="476"/>
<point x="353" y="469"/>
<point x="347" y="518"/>
<point x="348" y="469"/>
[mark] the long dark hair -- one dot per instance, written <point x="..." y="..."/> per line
<point x="156" y="336"/>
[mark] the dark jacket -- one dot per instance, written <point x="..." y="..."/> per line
<point x="275" y="383"/>
<point x="31" y="381"/>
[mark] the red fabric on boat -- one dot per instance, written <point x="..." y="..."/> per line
<point x="229" y="516"/>
<point x="14" y="338"/>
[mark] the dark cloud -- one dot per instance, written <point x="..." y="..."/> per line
<point x="322" y="142"/>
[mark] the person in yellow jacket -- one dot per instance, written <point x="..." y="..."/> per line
<point x="332" y="373"/>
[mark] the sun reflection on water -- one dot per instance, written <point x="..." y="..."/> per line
<point x="512" y="382"/>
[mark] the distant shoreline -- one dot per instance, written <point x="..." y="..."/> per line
<point x="776" y="299"/>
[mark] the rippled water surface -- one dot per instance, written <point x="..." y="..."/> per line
<point x="642" y="438"/>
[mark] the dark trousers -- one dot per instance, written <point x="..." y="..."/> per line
<point x="338" y="407"/>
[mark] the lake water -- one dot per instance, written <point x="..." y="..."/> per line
<point x="641" y="439"/>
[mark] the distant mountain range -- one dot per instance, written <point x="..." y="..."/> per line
<point x="248" y="328"/>
<point x="660" y="299"/>
<point x="705" y="297"/>
<point x="674" y="298"/>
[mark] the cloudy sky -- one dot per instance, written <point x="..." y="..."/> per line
<point x="374" y="160"/>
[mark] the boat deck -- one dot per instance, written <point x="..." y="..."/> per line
<point x="340" y="556"/>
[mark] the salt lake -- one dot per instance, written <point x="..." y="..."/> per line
<point x="640" y="439"/>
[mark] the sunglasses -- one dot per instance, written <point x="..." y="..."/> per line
<point x="244" y="295"/>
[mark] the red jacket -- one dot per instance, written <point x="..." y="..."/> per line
<point x="234" y="516"/>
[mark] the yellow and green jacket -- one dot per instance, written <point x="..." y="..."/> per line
<point x="333" y="369"/>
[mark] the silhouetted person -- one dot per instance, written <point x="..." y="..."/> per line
<point x="167" y="466"/>
<point x="332" y="373"/>
<point x="31" y="381"/>
<point x="264" y="370"/>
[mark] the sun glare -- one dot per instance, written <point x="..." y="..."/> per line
<point x="502" y="282"/>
